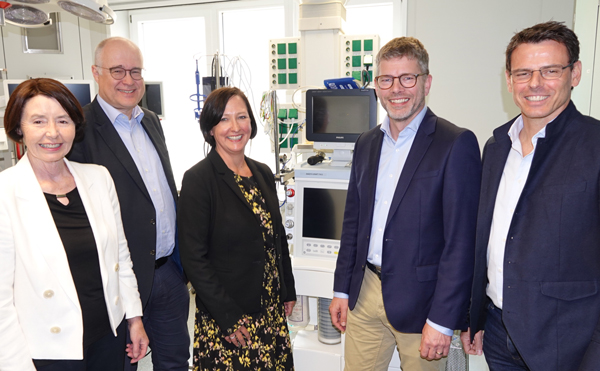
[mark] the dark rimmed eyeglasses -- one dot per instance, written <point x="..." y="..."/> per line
<point x="119" y="73"/>
<point x="407" y="80"/>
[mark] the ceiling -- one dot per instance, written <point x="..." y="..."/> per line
<point x="139" y="4"/>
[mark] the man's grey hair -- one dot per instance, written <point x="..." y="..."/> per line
<point x="408" y="47"/>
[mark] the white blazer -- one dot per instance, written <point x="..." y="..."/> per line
<point x="40" y="316"/>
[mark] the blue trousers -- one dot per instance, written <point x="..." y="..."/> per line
<point x="165" y="320"/>
<point x="498" y="348"/>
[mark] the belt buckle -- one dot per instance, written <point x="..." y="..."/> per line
<point x="378" y="271"/>
<point x="375" y="269"/>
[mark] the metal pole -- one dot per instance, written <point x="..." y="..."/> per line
<point x="276" y="135"/>
<point x="217" y="71"/>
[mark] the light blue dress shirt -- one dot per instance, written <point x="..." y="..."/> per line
<point x="394" y="152"/>
<point x="148" y="163"/>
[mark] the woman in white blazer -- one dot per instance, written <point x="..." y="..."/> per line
<point x="66" y="278"/>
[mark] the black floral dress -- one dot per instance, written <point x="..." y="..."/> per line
<point x="269" y="348"/>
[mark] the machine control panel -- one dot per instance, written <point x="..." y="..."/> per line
<point x="321" y="249"/>
<point x="288" y="217"/>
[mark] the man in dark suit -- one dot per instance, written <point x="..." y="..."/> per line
<point x="537" y="265"/>
<point x="404" y="269"/>
<point x="129" y="142"/>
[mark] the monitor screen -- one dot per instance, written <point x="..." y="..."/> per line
<point x="83" y="90"/>
<point x="153" y="98"/>
<point x="323" y="213"/>
<point x="339" y="115"/>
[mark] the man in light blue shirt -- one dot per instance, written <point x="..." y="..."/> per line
<point x="405" y="264"/>
<point x="129" y="142"/>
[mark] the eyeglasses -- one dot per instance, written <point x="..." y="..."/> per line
<point x="119" y="73"/>
<point x="548" y="73"/>
<point x="407" y="80"/>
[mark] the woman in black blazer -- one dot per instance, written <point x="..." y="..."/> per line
<point x="233" y="247"/>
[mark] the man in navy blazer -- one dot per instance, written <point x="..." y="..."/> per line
<point x="129" y="141"/>
<point x="405" y="265"/>
<point x="537" y="265"/>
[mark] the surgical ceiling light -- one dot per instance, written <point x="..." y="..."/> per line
<point x="97" y="11"/>
<point x="26" y="16"/>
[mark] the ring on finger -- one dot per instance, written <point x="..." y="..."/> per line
<point x="232" y="336"/>
<point x="438" y="353"/>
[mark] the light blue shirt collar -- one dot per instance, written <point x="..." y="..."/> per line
<point x="413" y="125"/>
<point x="112" y="113"/>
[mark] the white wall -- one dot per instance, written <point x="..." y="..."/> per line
<point x="466" y="40"/>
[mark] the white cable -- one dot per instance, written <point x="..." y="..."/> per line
<point x="302" y="88"/>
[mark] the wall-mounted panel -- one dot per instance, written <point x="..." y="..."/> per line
<point x="63" y="65"/>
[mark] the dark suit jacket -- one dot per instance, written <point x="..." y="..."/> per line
<point x="222" y="246"/>
<point x="429" y="238"/>
<point x="551" y="303"/>
<point x="102" y="145"/>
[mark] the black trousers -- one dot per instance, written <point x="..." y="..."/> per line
<point x="108" y="353"/>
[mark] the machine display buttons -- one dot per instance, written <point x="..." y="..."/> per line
<point x="281" y="49"/>
<point x="293" y="48"/>
<point x="282" y="114"/>
<point x="281" y="63"/>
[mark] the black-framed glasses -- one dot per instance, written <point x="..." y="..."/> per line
<point x="407" y="80"/>
<point x="548" y="73"/>
<point x="119" y="73"/>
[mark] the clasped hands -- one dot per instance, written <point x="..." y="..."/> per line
<point x="241" y="336"/>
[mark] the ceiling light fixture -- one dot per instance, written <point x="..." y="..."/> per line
<point x="26" y="16"/>
<point x="97" y="11"/>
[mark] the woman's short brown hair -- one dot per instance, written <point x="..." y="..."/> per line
<point x="213" y="109"/>
<point x="41" y="86"/>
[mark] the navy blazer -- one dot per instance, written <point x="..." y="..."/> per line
<point x="102" y="145"/>
<point x="429" y="238"/>
<point x="551" y="303"/>
<point x="222" y="245"/>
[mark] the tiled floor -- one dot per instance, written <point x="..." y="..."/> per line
<point x="146" y="363"/>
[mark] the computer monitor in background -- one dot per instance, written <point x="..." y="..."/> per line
<point x="335" y="118"/>
<point x="83" y="90"/>
<point x="153" y="98"/>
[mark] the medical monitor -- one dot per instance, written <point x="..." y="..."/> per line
<point x="153" y="98"/>
<point x="319" y="217"/>
<point x="323" y="213"/>
<point x="338" y="116"/>
<point x="83" y="90"/>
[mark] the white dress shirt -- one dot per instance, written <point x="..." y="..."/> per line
<point x="511" y="186"/>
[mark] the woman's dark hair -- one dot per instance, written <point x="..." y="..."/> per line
<point x="213" y="109"/>
<point x="41" y="86"/>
